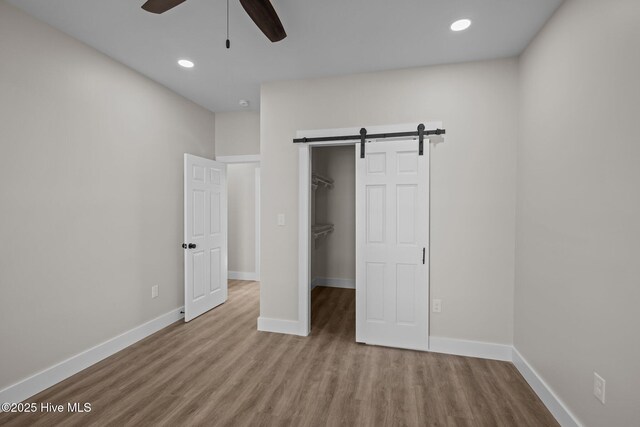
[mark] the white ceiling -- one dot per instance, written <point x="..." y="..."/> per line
<point x="325" y="37"/>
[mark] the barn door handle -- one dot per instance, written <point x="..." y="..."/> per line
<point x="423" y="253"/>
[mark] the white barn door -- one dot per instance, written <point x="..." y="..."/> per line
<point x="392" y="253"/>
<point x="205" y="234"/>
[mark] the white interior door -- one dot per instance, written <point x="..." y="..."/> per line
<point x="392" y="252"/>
<point x="205" y="234"/>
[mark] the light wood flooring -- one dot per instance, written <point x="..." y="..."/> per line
<point x="218" y="370"/>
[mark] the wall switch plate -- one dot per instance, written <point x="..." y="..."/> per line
<point x="598" y="387"/>
<point x="437" y="306"/>
<point x="154" y="291"/>
<point x="281" y="219"/>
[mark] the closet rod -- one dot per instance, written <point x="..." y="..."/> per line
<point x="369" y="136"/>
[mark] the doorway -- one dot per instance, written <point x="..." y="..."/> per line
<point x="243" y="180"/>
<point x="392" y="233"/>
<point x="333" y="229"/>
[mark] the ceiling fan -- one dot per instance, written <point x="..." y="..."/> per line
<point x="260" y="11"/>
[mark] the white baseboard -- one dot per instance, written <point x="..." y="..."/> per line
<point x="508" y="353"/>
<point x="561" y="413"/>
<point x="333" y="282"/>
<point x="243" y="275"/>
<point x="63" y="370"/>
<point x="290" y="327"/>
<point x="483" y="350"/>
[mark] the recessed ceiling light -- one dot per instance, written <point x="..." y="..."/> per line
<point x="185" y="63"/>
<point x="244" y="103"/>
<point x="461" y="25"/>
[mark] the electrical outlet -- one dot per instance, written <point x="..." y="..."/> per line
<point x="437" y="305"/>
<point x="154" y="291"/>
<point x="281" y="219"/>
<point x="598" y="387"/>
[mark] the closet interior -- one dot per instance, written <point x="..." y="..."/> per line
<point x="333" y="227"/>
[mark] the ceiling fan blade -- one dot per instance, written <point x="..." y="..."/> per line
<point x="265" y="17"/>
<point x="160" y="6"/>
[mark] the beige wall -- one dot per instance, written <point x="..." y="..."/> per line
<point x="237" y="133"/>
<point x="472" y="187"/>
<point x="334" y="256"/>
<point x="91" y="188"/>
<point x="577" y="294"/>
<point x="242" y="217"/>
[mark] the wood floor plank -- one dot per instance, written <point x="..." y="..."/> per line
<point x="219" y="370"/>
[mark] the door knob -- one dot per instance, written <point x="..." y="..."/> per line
<point x="192" y="245"/>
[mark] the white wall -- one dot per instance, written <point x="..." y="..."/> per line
<point x="472" y="187"/>
<point x="334" y="256"/>
<point x="577" y="294"/>
<point x="242" y="217"/>
<point x="91" y="193"/>
<point x="237" y="133"/>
